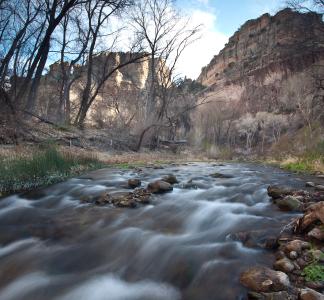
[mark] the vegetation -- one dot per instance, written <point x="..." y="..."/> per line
<point x="310" y="161"/>
<point x="43" y="167"/>
<point x="314" y="272"/>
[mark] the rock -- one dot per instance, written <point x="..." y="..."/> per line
<point x="124" y="202"/>
<point x="309" y="294"/>
<point x="315" y="285"/>
<point x="289" y="203"/>
<point x="220" y="175"/>
<point x="297" y="246"/>
<point x="310" y="184"/>
<point x="293" y="254"/>
<point x="317" y="233"/>
<point x="313" y="214"/>
<point x="301" y="262"/>
<point x="103" y="199"/>
<point x="159" y="187"/>
<point x="276" y="192"/>
<point x="262" y="279"/>
<point x="172" y="179"/>
<point x="284" y="265"/>
<point x="142" y="196"/>
<point x="283" y="295"/>
<point x="318" y="255"/>
<point x="319" y="187"/>
<point x="134" y="183"/>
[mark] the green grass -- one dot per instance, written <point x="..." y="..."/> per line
<point x="310" y="161"/>
<point x="45" y="166"/>
<point x="314" y="272"/>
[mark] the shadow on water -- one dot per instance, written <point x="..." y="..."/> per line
<point x="178" y="247"/>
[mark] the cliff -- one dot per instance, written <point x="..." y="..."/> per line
<point x="266" y="82"/>
<point x="289" y="41"/>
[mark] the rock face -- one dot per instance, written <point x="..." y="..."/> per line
<point x="268" y="42"/>
<point x="261" y="75"/>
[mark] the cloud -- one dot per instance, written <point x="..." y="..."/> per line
<point x="200" y="53"/>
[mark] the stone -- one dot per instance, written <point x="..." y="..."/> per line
<point x="262" y="279"/>
<point x="142" y="196"/>
<point x="134" y="183"/>
<point x="319" y="187"/>
<point x="103" y="199"/>
<point x="284" y="265"/>
<point x="276" y="192"/>
<point x="172" y="179"/>
<point x="293" y="254"/>
<point x="159" y="187"/>
<point x="220" y="175"/>
<point x="290" y="203"/>
<point x="313" y="214"/>
<point x="318" y="255"/>
<point x="317" y="233"/>
<point x="309" y="294"/>
<point x="283" y="295"/>
<point x="310" y="184"/>
<point x="297" y="246"/>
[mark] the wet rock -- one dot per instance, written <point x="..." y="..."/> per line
<point x="293" y="255"/>
<point x="317" y="233"/>
<point x="134" y="183"/>
<point x="124" y="202"/>
<point x="290" y="203"/>
<point x="310" y="184"/>
<point x="255" y="239"/>
<point x="142" y="196"/>
<point x="220" y="175"/>
<point x="301" y="262"/>
<point x="319" y="187"/>
<point x="313" y="214"/>
<point x="277" y="192"/>
<point x="103" y="199"/>
<point x="172" y="179"/>
<point x="318" y="285"/>
<point x="297" y="246"/>
<point x="309" y="294"/>
<point x="262" y="279"/>
<point x="284" y="265"/>
<point x="159" y="187"/>
<point x="283" y="295"/>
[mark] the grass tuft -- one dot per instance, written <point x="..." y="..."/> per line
<point x="44" y="166"/>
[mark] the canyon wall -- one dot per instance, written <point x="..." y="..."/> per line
<point x="271" y="68"/>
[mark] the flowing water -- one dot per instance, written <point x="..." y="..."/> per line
<point x="178" y="247"/>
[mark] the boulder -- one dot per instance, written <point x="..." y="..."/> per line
<point x="317" y="233"/>
<point x="262" y="279"/>
<point x="283" y="295"/>
<point x="134" y="183"/>
<point x="284" y="265"/>
<point x="159" y="187"/>
<point x="297" y="246"/>
<point x="290" y="203"/>
<point x="319" y="187"/>
<point x="103" y="199"/>
<point x="172" y="179"/>
<point x="310" y="184"/>
<point x="314" y="213"/>
<point x="142" y="196"/>
<point x="309" y="294"/>
<point x="277" y="192"/>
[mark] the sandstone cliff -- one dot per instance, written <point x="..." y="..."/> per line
<point x="289" y="41"/>
<point x="266" y="82"/>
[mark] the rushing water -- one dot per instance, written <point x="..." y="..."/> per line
<point x="178" y="247"/>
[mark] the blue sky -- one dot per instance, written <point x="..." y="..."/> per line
<point x="220" y="18"/>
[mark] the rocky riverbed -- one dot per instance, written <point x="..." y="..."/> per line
<point x="179" y="231"/>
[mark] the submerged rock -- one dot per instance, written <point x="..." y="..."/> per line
<point x="319" y="187"/>
<point x="262" y="279"/>
<point x="172" y="179"/>
<point x="159" y="187"/>
<point x="220" y="175"/>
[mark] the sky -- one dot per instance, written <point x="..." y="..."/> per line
<point x="220" y="19"/>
